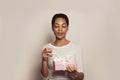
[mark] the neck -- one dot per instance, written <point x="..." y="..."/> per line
<point x="61" y="42"/>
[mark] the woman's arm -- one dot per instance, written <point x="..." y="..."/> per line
<point x="74" y="73"/>
<point x="78" y="75"/>
<point x="45" y="56"/>
<point x="44" y="69"/>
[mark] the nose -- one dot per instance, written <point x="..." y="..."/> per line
<point x="60" y="29"/>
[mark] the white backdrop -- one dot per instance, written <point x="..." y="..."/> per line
<point x="25" y="26"/>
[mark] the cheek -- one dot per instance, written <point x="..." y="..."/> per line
<point x="55" y="30"/>
<point x="65" y="30"/>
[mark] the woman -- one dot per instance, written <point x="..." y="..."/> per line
<point x="61" y="59"/>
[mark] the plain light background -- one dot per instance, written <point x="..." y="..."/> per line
<point x="25" y="26"/>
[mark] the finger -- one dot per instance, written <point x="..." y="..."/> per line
<point x="50" y="54"/>
<point x="48" y="51"/>
<point x="75" y="69"/>
<point x="68" y="69"/>
<point x="72" y="68"/>
<point x="46" y="55"/>
<point x="48" y="48"/>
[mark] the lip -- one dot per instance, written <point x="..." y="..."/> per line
<point x="60" y="34"/>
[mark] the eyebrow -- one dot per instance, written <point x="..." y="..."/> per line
<point x="58" y="23"/>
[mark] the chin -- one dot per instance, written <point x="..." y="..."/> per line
<point x="59" y="38"/>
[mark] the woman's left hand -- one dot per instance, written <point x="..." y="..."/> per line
<point x="71" y="69"/>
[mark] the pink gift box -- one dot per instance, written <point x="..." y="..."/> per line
<point x="58" y="65"/>
<point x="62" y="66"/>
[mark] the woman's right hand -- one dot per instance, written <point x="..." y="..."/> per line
<point x="46" y="53"/>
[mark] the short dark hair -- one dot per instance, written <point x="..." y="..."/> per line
<point x="60" y="15"/>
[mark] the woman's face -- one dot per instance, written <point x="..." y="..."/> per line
<point x="60" y="28"/>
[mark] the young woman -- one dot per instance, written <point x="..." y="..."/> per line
<point x="61" y="59"/>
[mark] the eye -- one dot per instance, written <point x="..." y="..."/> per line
<point x="64" y="25"/>
<point x="56" y="26"/>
